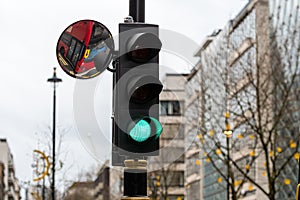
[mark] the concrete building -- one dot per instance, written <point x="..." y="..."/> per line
<point x="80" y="191"/>
<point x="203" y="112"/>
<point x="2" y="186"/>
<point x="166" y="172"/>
<point x="255" y="55"/>
<point x="11" y="185"/>
<point x="101" y="184"/>
<point x="108" y="184"/>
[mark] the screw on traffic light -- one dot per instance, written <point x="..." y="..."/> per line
<point x="136" y="128"/>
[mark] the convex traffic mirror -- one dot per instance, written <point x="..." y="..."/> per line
<point x="85" y="49"/>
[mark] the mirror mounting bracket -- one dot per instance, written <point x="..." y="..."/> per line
<point x="115" y="62"/>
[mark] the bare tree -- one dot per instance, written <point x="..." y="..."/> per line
<point x="250" y="71"/>
<point x="62" y="152"/>
<point x="166" y="177"/>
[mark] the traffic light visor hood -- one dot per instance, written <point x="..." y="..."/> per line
<point x="142" y="47"/>
<point x="142" y="89"/>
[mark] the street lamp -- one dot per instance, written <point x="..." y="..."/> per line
<point x="53" y="80"/>
<point x="228" y="133"/>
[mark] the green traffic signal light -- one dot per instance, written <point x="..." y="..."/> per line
<point x="142" y="129"/>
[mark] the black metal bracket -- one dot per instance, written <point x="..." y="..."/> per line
<point x="115" y="62"/>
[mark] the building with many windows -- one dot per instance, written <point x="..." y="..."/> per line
<point x="247" y="82"/>
<point x="203" y="112"/>
<point x="166" y="171"/>
<point x="11" y="184"/>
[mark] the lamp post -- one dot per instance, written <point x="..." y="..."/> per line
<point x="53" y="80"/>
<point x="228" y="133"/>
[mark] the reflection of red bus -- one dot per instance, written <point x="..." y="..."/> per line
<point x="73" y="44"/>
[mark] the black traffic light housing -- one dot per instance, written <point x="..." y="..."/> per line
<point x="136" y="92"/>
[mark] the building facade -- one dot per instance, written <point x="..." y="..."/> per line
<point x="11" y="184"/>
<point x="246" y="81"/>
<point x="80" y="191"/>
<point x="108" y="184"/>
<point x="166" y="171"/>
<point x="204" y="108"/>
<point x="2" y="181"/>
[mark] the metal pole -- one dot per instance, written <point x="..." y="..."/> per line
<point x="43" y="189"/>
<point x="228" y="178"/>
<point x="135" y="180"/>
<point x="137" y="10"/>
<point x="298" y="171"/>
<point x="53" y="143"/>
<point x="53" y="80"/>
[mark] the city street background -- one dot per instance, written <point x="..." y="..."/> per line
<point x="30" y="30"/>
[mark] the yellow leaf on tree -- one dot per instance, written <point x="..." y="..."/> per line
<point x="227" y="114"/>
<point x="247" y="167"/>
<point x="202" y="141"/>
<point x="264" y="173"/>
<point x="211" y="133"/>
<point x="271" y="153"/>
<point x="237" y="182"/>
<point x="293" y="145"/>
<point x="287" y="181"/>
<point x="179" y="198"/>
<point x="297" y="156"/>
<point x="279" y="150"/>
<point x="240" y="136"/>
<point x="207" y="159"/>
<point x="252" y="136"/>
<point x="200" y="136"/>
<point x="218" y="151"/>
<point x="198" y="162"/>
<point x="227" y="126"/>
<point x="252" y="153"/>
<point x="265" y="164"/>
<point x="220" y="179"/>
<point x="158" y="183"/>
<point x="250" y="187"/>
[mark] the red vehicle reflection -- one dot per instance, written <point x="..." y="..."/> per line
<point x="84" y="50"/>
<point x="73" y="45"/>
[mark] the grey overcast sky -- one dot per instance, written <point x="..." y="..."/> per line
<point x="29" y="33"/>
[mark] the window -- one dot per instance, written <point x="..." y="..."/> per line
<point x="71" y="49"/>
<point x="173" y="131"/>
<point x="66" y="39"/>
<point x="175" y="178"/>
<point x="170" y="108"/>
<point x="172" y="154"/>
<point x="77" y="53"/>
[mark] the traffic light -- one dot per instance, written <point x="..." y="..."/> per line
<point x="136" y="128"/>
